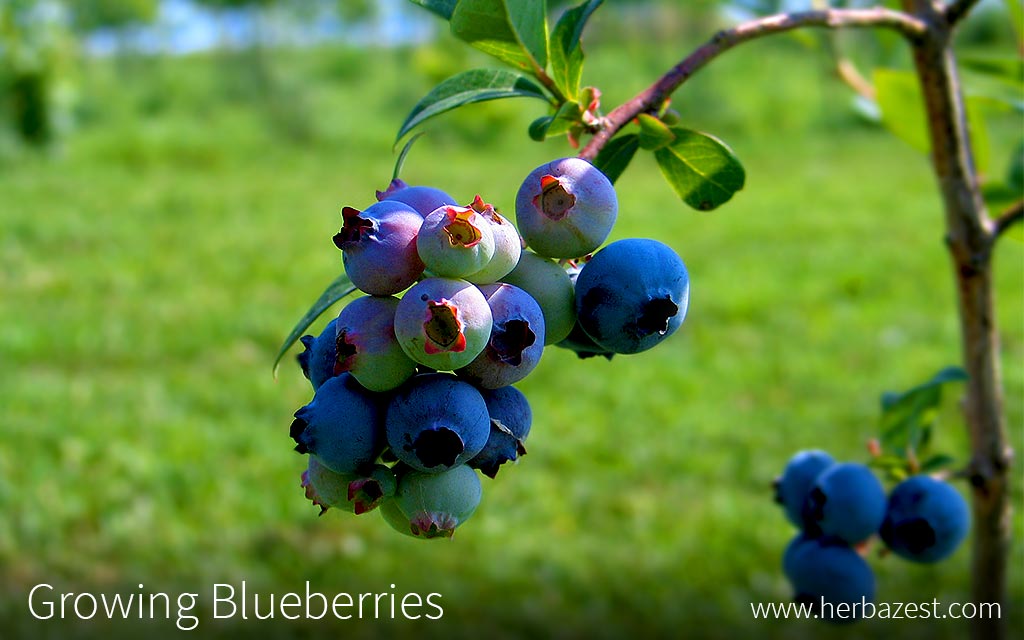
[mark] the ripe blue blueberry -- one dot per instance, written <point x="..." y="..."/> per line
<point x="797" y="480"/>
<point x="435" y="504"/>
<point x="789" y="566"/>
<point x="436" y="422"/>
<point x="511" y="418"/>
<point x="422" y="199"/>
<point x="366" y="345"/>
<point x="824" y="569"/>
<point x="566" y="208"/>
<point x="443" y="323"/>
<point x="319" y="359"/>
<point x="925" y="520"/>
<point x="516" y="341"/>
<point x="342" y="426"/>
<point x="846" y="501"/>
<point x="632" y="295"/>
<point x="550" y="285"/>
<point x="378" y="247"/>
<point x="353" y="492"/>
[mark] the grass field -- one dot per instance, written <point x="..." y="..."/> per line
<point x="150" y="269"/>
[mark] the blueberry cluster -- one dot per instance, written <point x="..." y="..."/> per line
<point x="412" y="382"/>
<point x="840" y="506"/>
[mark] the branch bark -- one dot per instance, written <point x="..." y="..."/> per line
<point x="1011" y="216"/>
<point x="957" y="10"/>
<point x="654" y="96"/>
<point x="970" y="234"/>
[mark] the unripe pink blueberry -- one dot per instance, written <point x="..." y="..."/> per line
<point x="566" y="208"/>
<point x="443" y="323"/>
<point x="422" y="199"/>
<point x="455" y="241"/>
<point x="378" y="247"/>
<point x="507" y="245"/>
<point x="366" y="345"/>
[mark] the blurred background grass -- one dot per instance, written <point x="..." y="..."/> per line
<point x="153" y="259"/>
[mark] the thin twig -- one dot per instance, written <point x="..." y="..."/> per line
<point x="1014" y="214"/>
<point x="846" y="70"/>
<point x="853" y="78"/>
<point x="651" y="98"/>
<point x="958" y="9"/>
<point x="550" y="85"/>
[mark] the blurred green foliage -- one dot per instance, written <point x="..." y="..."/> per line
<point x="149" y="274"/>
<point x="35" y="53"/>
<point x="87" y="15"/>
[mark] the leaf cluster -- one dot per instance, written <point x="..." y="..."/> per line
<point x="907" y="426"/>
<point x="547" y="65"/>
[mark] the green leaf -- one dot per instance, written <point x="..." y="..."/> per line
<point x="566" y="51"/>
<point x="948" y="375"/>
<point x="1016" y="12"/>
<point x="565" y="118"/>
<point x="937" y="462"/>
<point x="616" y="155"/>
<point x="1015" y="170"/>
<point x="899" y="475"/>
<point x="999" y="195"/>
<point x="898" y="94"/>
<point x="335" y="291"/>
<point x="889" y="399"/>
<point x="899" y="97"/>
<point x="654" y="134"/>
<point x="994" y="90"/>
<point x="1009" y="69"/>
<point x="907" y="417"/>
<point x="513" y="31"/>
<point x="701" y="169"/>
<point x="400" y="162"/>
<point x="903" y="429"/>
<point x="568" y="115"/>
<point x="539" y="128"/>
<point x="443" y="8"/>
<point x="529" y="19"/>
<point x="892" y="466"/>
<point x="477" y="85"/>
